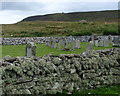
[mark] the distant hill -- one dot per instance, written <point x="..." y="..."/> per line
<point x="108" y="16"/>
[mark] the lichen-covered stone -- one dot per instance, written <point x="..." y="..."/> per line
<point x="53" y="74"/>
<point x="57" y="61"/>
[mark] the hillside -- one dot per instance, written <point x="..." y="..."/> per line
<point x="58" y="28"/>
<point x="108" y="16"/>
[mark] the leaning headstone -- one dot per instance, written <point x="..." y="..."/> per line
<point x="30" y="49"/>
<point x="77" y="44"/>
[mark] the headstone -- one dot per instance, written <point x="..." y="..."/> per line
<point x="59" y="45"/>
<point x="77" y="44"/>
<point x="53" y="43"/>
<point x="106" y="42"/>
<point x="116" y="42"/>
<point x="65" y="44"/>
<point x="93" y="38"/>
<point x="30" y="49"/>
<point x="110" y="38"/>
<point x="73" y="44"/>
<point x="101" y="43"/>
<point x="96" y="43"/>
<point x="89" y="48"/>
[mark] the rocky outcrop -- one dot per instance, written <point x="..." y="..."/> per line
<point x="52" y="74"/>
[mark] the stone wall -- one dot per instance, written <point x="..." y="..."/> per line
<point x="39" y="40"/>
<point x="52" y="74"/>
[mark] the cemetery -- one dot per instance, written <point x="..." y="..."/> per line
<point x="79" y="62"/>
<point x="59" y="47"/>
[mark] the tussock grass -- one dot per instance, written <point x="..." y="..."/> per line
<point x="54" y="28"/>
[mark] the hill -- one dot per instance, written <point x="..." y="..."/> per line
<point x="108" y="16"/>
<point x="58" y="28"/>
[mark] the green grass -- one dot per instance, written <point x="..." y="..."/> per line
<point x="53" y="28"/>
<point x="102" y="91"/>
<point x="42" y="49"/>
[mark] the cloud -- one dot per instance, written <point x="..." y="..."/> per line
<point x="27" y="6"/>
<point x="47" y="1"/>
<point x="12" y="12"/>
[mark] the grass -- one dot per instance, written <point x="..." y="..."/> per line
<point x="42" y="49"/>
<point x="55" y="28"/>
<point x="102" y="91"/>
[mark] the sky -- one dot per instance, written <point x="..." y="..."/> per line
<point x="12" y="11"/>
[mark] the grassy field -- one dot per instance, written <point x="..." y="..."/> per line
<point x="19" y="50"/>
<point x="102" y="91"/>
<point x="55" y="28"/>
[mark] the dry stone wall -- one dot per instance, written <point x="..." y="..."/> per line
<point x="52" y="74"/>
<point x="39" y="40"/>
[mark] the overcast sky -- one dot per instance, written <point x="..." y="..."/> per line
<point x="12" y="11"/>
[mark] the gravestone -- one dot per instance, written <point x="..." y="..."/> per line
<point x="89" y="48"/>
<point x="101" y="43"/>
<point x="53" y="43"/>
<point x="116" y="42"/>
<point x="30" y="49"/>
<point x="110" y="38"/>
<point x="77" y="44"/>
<point x="59" y="44"/>
<point x="96" y="43"/>
<point x="106" y="42"/>
<point x="93" y="38"/>
<point x="65" y="43"/>
<point x="73" y="44"/>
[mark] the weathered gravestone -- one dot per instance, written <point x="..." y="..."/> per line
<point x="106" y="42"/>
<point x="30" y="49"/>
<point x="77" y="44"/>
<point x="116" y="42"/>
<point x="96" y="43"/>
<point x="53" y="43"/>
<point x="101" y="43"/>
<point x="65" y="43"/>
<point x="110" y="38"/>
<point x="59" y="45"/>
<point x="73" y="44"/>
<point x="89" y="48"/>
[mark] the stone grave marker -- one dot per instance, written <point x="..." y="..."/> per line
<point x="73" y="44"/>
<point x="53" y="43"/>
<point x="30" y="49"/>
<point x="89" y="48"/>
<point x="101" y="43"/>
<point x="77" y="44"/>
<point x="65" y="43"/>
<point x="116" y="42"/>
<point x="106" y="42"/>
<point x="110" y="38"/>
<point x="96" y="43"/>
